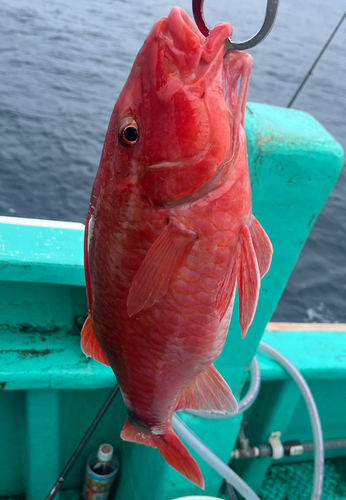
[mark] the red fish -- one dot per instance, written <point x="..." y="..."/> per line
<point x="170" y="232"/>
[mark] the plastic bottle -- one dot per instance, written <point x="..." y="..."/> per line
<point x="101" y="469"/>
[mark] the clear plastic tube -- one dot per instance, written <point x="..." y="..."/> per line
<point x="245" y="403"/>
<point x="313" y="413"/>
<point x="226" y="472"/>
<point x="213" y="460"/>
<point x="255" y="384"/>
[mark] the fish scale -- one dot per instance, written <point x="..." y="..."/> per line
<point x="156" y="320"/>
<point x="171" y="233"/>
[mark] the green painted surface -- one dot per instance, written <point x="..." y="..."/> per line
<point x="294" y="164"/>
<point x="53" y="360"/>
<point x="42" y="254"/>
<point x="12" y="440"/>
<point x="35" y="307"/>
<point x="317" y="354"/>
<point x="42" y="441"/>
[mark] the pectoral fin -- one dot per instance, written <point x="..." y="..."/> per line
<point x="160" y="265"/>
<point x="210" y="393"/>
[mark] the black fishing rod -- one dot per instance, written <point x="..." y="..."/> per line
<point x="309" y="73"/>
<point x="82" y="443"/>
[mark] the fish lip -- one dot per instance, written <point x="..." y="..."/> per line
<point x="184" y="32"/>
<point x="188" y="22"/>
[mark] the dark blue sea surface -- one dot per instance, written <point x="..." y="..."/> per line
<point x="63" y="64"/>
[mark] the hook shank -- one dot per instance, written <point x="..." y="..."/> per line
<point x="268" y="23"/>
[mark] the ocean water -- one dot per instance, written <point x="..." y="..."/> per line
<point x="64" y="63"/>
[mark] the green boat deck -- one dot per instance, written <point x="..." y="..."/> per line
<point x="51" y="391"/>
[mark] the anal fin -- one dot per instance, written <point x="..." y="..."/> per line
<point x="210" y="393"/>
<point x="89" y="343"/>
<point x="160" y="265"/>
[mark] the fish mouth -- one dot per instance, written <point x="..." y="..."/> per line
<point x="186" y="44"/>
<point x="184" y="32"/>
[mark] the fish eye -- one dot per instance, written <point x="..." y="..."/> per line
<point x="128" y="131"/>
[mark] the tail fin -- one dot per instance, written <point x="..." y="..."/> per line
<point x="171" y="448"/>
<point x="176" y="455"/>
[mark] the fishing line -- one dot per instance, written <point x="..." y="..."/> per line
<point x="81" y="445"/>
<point x="309" y="73"/>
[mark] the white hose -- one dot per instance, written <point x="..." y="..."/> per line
<point x="226" y="472"/>
<point x="245" y="403"/>
<point x="255" y="384"/>
<point x="313" y="413"/>
<point x="213" y="460"/>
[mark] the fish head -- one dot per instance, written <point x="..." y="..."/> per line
<point x="170" y="128"/>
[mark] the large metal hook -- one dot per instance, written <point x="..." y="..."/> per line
<point x="272" y="8"/>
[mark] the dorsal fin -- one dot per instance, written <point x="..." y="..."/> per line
<point x="262" y="246"/>
<point x="226" y="291"/>
<point x="250" y="262"/>
<point x="248" y="279"/>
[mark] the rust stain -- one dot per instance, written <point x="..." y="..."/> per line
<point x="262" y="140"/>
<point x="29" y="328"/>
<point x="25" y="327"/>
<point x="274" y="135"/>
<point x="2" y="386"/>
<point x="33" y="353"/>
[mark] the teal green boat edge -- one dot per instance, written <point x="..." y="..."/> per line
<point x="294" y="163"/>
